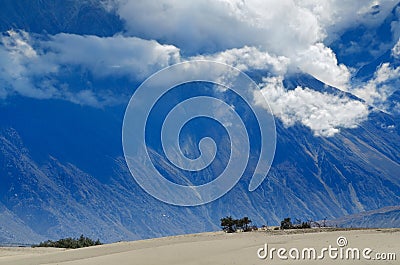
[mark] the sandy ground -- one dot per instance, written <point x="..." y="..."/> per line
<point x="217" y="248"/>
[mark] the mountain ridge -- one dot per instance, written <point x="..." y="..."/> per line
<point x="63" y="172"/>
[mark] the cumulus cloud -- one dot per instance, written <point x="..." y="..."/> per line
<point x="323" y="113"/>
<point x="385" y="82"/>
<point x="33" y="67"/>
<point x="19" y="63"/>
<point x="115" y="55"/>
<point x="337" y="15"/>
<point x="276" y="36"/>
<point x="321" y="62"/>
<point x="376" y="91"/>
<point x="289" y="28"/>
<point x="249" y="58"/>
<point x="224" y="24"/>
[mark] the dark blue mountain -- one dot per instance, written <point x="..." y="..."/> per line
<point x="386" y="217"/>
<point x="62" y="170"/>
<point x="86" y="17"/>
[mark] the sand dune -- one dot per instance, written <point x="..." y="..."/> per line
<point x="217" y="248"/>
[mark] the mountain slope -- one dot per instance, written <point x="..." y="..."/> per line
<point x="58" y="200"/>
<point x="79" y="17"/>
<point x="14" y="231"/>
<point x="62" y="170"/>
<point x="311" y="178"/>
<point x="386" y="217"/>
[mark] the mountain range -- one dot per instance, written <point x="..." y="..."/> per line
<point x="63" y="172"/>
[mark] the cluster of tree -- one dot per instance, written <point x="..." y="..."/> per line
<point x="286" y="223"/>
<point x="231" y="225"/>
<point x="69" y="242"/>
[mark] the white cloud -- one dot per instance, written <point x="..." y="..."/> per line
<point x="337" y="15"/>
<point x="32" y="67"/>
<point x="295" y="29"/>
<point x="277" y="36"/>
<point x="118" y="55"/>
<point x="323" y="113"/>
<point x="227" y="24"/>
<point x="19" y="62"/>
<point x="249" y="58"/>
<point x="396" y="50"/>
<point x="376" y="91"/>
<point x="385" y="82"/>
<point x="321" y="62"/>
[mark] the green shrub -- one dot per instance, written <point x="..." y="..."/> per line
<point x="287" y="224"/>
<point x="69" y="242"/>
<point x="230" y="225"/>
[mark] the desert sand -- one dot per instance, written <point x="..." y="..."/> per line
<point x="218" y="248"/>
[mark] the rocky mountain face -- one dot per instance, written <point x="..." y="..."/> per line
<point x="79" y="17"/>
<point x="386" y="217"/>
<point x="311" y="178"/>
<point x="59" y="200"/>
<point x="62" y="170"/>
<point x="14" y="231"/>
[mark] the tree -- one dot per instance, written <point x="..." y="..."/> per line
<point x="245" y="223"/>
<point x="306" y="225"/>
<point x="228" y="224"/>
<point x="286" y="224"/>
<point x="239" y="224"/>
<point x="69" y="242"/>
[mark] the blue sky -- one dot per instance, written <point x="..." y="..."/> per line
<point x="278" y="37"/>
